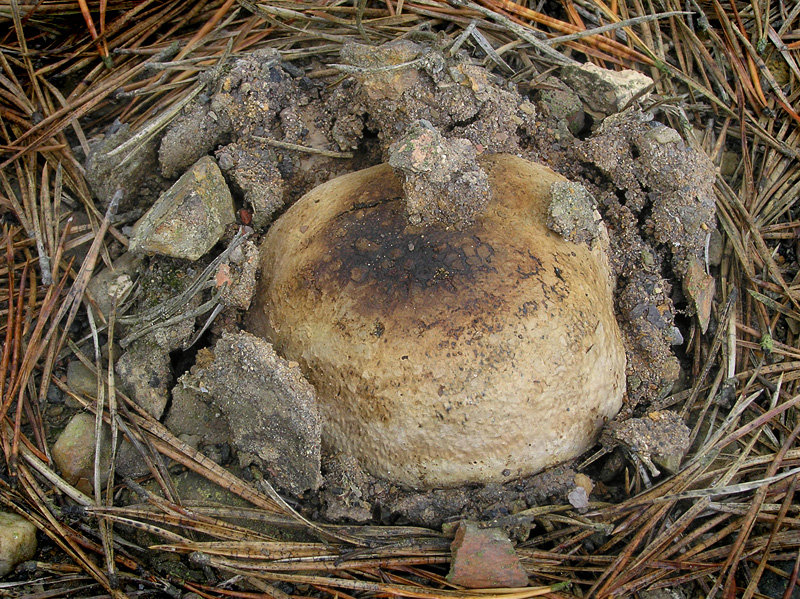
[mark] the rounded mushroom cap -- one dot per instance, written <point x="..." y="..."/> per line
<point x="440" y="356"/>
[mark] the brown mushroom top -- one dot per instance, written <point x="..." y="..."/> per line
<point x="444" y="356"/>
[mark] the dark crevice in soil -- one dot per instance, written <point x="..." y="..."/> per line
<point x="464" y="123"/>
<point x="644" y="215"/>
<point x="585" y="132"/>
<point x="182" y="360"/>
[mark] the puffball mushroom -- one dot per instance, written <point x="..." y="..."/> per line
<point x="444" y="356"/>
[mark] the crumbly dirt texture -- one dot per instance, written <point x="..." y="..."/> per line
<point x="660" y="209"/>
<point x="573" y="213"/>
<point x="402" y="82"/>
<point x="658" y="439"/>
<point x="253" y="102"/>
<point x="274" y="417"/>
<point x="236" y="277"/>
<point x="442" y="180"/>
<point x="656" y="171"/>
<point x="276" y="134"/>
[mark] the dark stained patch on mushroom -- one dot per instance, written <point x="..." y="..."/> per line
<point x="387" y="264"/>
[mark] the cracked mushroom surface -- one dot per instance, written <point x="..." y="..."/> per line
<point x="444" y="355"/>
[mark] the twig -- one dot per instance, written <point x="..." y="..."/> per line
<point x="613" y="27"/>
<point x="523" y="33"/>
<point x="298" y="148"/>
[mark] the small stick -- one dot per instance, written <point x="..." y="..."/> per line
<point x="353" y="70"/>
<point x="523" y="33"/>
<point x="12" y="461"/>
<point x="613" y="26"/>
<point x="105" y="526"/>
<point x="297" y="147"/>
<point x="139" y="139"/>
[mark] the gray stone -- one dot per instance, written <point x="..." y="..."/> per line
<point x="129" y="462"/>
<point x="663" y="135"/>
<point x="271" y="408"/>
<point x="578" y="498"/>
<point x="190" y="217"/>
<point x="145" y="375"/>
<point x="17" y="541"/>
<point x="110" y="352"/>
<point x="55" y="396"/>
<point x="107" y="170"/>
<point x="191" y="415"/>
<point x="715" y="245"/>
<point x="73" y="452"/>
<point x="603" y="91"/>
<point x="675" y="336"/>
<point x="194" y="487"/>
<point x="563" y="103"/>
<point x="110" y="284"/>
<point x="81" y="380"/>
<point x="189" y="137"/>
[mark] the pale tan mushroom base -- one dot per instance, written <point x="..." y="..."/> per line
<point x="443" y="357"/>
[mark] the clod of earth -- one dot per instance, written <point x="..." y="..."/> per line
<point x="444" y="355"/>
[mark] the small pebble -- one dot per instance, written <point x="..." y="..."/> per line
<point x="715" y="243"/>
<point x="664" y="135"/>
<point x="578" y="498"/>
<point x="484" y="558"/>
<point x="17" y="541"/>
<point x="675" y="336"/>
<point x="55" y="395"/>
<point x="73" y="452"/>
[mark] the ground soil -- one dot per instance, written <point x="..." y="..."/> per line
<point x="651" y="190"/>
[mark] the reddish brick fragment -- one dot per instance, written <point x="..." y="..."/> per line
<point x="484" y="558"/>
